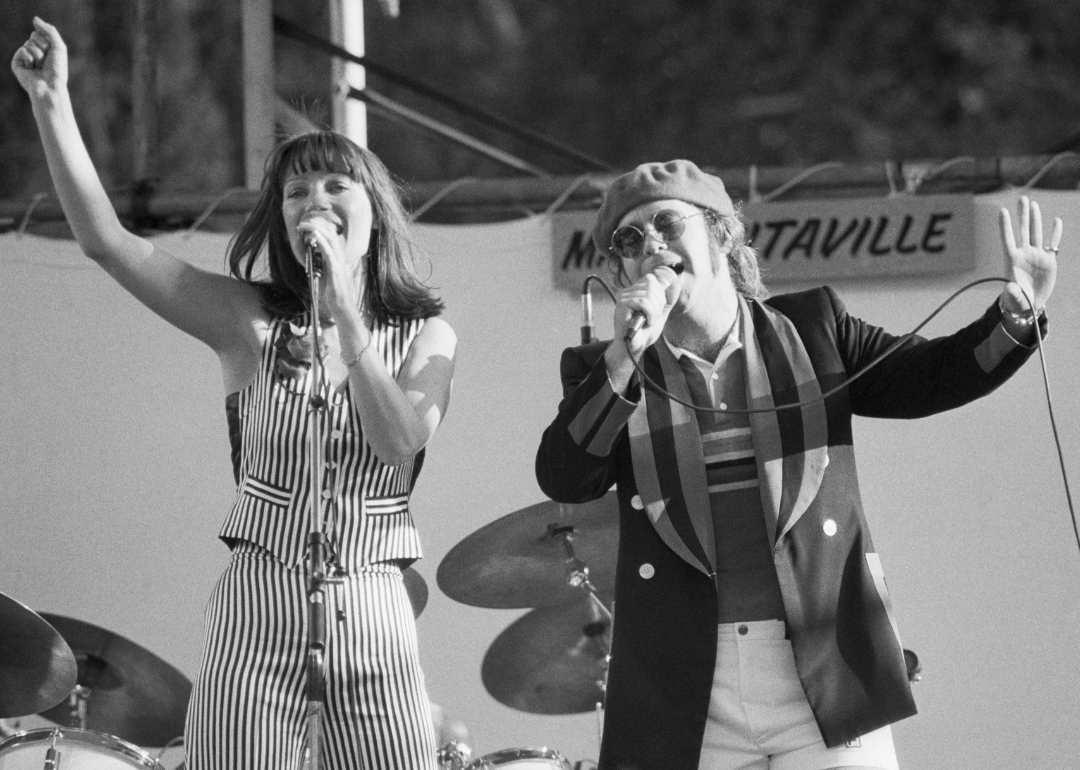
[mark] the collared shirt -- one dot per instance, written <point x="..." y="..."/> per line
<point x="720" y="379"/>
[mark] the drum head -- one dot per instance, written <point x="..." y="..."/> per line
<point x="519" y="759"/>
<point x="77" y="750"/>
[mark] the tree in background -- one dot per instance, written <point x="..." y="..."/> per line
<point x="198" y="91"/>
<point x="773" y="82"/>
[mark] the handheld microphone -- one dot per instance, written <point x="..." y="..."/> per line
<point x="586" y="314"/>
<point x="666" y="276"/>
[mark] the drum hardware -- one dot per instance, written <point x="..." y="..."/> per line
<point x="454" y="756"/>
<point x="578" y="577"/>
<point x="37" y="667"/>
<point x="77" y="705"/>
<point x="121" y="688"/>
<point x="601" y="619"/>
<point x="554" y="659"/>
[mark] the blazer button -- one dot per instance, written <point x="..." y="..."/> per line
<point x="646" y="570"/>
<point x="829" y="527"/>
<point x="635" y="503"/>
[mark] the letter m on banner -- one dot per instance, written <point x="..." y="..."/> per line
<point x="573" y="255"/>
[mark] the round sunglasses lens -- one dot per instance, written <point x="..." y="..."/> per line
<point x="669" y="224"/>
<point x="626" y="241"/>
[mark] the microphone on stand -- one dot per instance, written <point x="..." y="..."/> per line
<point x="313" y="267"/>
<point x="313" y="257"/>
<point x="586" y="314"/>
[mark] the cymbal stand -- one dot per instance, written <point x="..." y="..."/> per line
<point x="77" y="702"/>
<point x="601" y="618"/>
<point x="318" y="574"/>
<point x="578" y="577"/>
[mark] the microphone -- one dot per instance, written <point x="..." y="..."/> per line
<point x="586" y="314"/>
<point x="667" y="276"/>
<point x="313" y="261"/>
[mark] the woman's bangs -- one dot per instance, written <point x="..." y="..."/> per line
<point x="322" y="152"/>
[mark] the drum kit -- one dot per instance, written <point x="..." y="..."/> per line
<point x="106" y="694"/>
<point x="558" y="561"/>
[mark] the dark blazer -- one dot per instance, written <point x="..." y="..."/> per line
<point x="839" y="617"/>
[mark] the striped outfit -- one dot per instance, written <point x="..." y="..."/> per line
<point x="248" y="705"/>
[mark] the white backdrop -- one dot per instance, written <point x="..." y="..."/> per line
<point x="114" y="478"/>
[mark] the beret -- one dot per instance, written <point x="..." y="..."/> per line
<point x="674" y="180"/>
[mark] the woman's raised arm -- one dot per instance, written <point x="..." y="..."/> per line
<point x="213" y="308"/>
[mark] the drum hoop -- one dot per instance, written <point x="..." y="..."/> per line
<point x="497" y="758"/>
<point x="85" y="737"/>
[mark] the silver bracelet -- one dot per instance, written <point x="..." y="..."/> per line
<point x="351" y="362"/>
<point x="1020" y="319"/>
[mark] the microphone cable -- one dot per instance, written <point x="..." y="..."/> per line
<point x="885" y="354"/>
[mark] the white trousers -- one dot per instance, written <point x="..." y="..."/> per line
<point x="759" y="718"/>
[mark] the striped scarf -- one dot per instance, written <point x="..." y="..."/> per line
<point x="791" y="446"/>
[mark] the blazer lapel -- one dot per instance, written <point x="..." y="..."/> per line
<point x="669" y="468"/>
<point x="791" y="445"/>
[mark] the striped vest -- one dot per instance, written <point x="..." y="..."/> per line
<point x="365" y="503"/>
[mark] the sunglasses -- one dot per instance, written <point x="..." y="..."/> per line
<point x="628" y="241"/>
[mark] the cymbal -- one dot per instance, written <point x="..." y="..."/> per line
<point x="416" y="588"/>
<point x="130" y="693"/>
<point x="37" y="668"/>
<point x="552" y="660"/>
<point x="521" y="560"/>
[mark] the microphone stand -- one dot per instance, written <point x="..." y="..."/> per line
<point x="586" y="313"/>
<point x="317" y="572"/>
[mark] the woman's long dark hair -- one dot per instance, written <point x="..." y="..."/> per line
<point x="393" y="291"/>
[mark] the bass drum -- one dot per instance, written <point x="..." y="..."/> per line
<point x="515" y="759"/>
<point x="75" y="749"/>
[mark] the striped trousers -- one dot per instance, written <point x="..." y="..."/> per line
<point x="248" y="705"/>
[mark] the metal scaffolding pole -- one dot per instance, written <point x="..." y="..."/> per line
<point x="257" y="43"/>
<point x="479" y="200"/>
<point x="347" y="32"/>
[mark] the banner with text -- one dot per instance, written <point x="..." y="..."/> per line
<point x="818" y="239"/>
